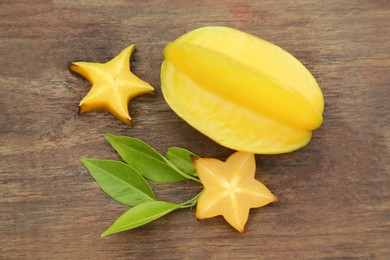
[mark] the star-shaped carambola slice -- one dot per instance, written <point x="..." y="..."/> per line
<point x="113" y="85"/>
<point x="230" y="189"/>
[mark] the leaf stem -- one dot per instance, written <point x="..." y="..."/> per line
<point x="190" y="203"/>
<point x="186" y="175"/>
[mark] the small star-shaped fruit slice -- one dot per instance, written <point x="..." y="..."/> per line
<point x="113" y="85"/>
<point x="230" y="189"/>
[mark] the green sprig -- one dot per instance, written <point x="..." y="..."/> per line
<point x="126" y="182"/>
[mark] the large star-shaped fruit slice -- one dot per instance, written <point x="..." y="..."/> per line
<point x="113" y="85"/>
<point x="230" y="189"/>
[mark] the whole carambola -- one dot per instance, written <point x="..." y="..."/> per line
<point x="241" y="91"/>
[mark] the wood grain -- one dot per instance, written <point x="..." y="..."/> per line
<point x="334" y="193"/>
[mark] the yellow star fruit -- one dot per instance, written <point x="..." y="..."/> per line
<point x="230" y="189"/>
<point x="241" y="91"/>
<point x="113" y="85"/>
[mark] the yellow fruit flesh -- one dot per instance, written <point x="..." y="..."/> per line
<point x="240" y="128"/>
<point x="241" y="104"/>
<point x="230" y="189"/>
<point x="240" y="85"/>
<point x="259" y="55"/>
<point x="113" y="85"/>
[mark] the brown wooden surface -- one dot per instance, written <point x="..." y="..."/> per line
<point x="334" y="193"/>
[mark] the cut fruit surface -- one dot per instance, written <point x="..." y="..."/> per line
<point x="113" y="85"/>
<point x="230" y="189"/>
<point x="243" y="92"/>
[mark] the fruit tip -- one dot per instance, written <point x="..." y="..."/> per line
<point x="275" y="200"/>
<point x="129" y="122"/>
<point x="125" y="119"/>
<point x="72" y="65"/>
<point x="79" y="112"/>
<point x="194" y="158"/>
<point x="132" y="47"/>
<point x="167" y="49"/>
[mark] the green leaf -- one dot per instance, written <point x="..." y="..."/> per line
<point x="141" y="214"/>
<point x="121" y="182"/>
<point x="144" y="159"/>
<point x="182" y="159"/>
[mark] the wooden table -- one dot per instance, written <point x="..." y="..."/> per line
<point x="334" y="193"/>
